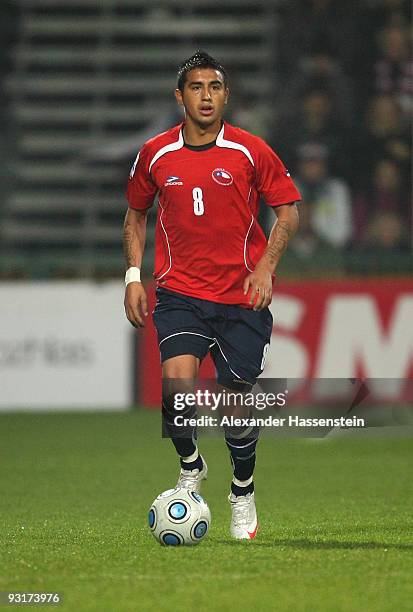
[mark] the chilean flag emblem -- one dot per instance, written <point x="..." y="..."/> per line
<point x="221" y="176"/>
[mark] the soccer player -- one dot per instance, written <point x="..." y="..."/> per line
<point x="214" y="268"/>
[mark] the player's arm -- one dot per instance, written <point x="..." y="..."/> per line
<point x="259" y="282"/>
<point x="134" y="234"/>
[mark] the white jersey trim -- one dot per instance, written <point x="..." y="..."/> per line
<point x="229" y="144"/>
<point x="132" y="171"/>
<point x="167" y="242"/>
<point x="243" y="445"/>
<point x="215" y="341"/>
<point x="188" y="332"/>
<point x="173" y="146"/>
<point x="245" y="245"/>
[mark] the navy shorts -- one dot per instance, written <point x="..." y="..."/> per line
<point x="237" y="338"/>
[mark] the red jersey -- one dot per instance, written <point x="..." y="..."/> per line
<point x="207" y="235"/>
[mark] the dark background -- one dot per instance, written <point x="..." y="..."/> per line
<point x="84" y="83"/>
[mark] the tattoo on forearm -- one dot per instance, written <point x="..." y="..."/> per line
<point x="129" y="244"/>
<point x="278" y="241"/>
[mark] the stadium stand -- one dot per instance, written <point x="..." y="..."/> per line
<point x="81" y="86"/>
<point x="84" y="80"/>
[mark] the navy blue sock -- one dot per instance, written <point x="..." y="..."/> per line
<point x="242" y="451"/>
<point x="238" y="491"/>
<point x="183" y="438"/>
<point x="198" y="464"/>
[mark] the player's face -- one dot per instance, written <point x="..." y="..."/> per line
<point x="204" y="96"/>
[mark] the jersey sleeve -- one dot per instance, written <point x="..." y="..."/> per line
<point x="273" y="180"/>
<point x="141" y="189"/>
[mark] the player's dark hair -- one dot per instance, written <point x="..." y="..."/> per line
<point x="200" y="59"/>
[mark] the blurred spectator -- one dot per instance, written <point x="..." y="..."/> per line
<point x="386" y="198"/>
<point x="327" y="198"/>
<point x="315" y="122"/>
<point x="318" y="71"/>
<point x="244" y="110"/>
<point x="393" y="70"/>
<point x="387" y="12"/>
<point x="250" y="117"/>
<point x="308" y="252"/>
<point x="385" y="135"/>
<point x="386" y="232"/>
<point x="386" y="248"/>
<point x="308" y="24"/>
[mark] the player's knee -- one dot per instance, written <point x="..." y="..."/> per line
<point x="241" y="435"/>
<point x="181" y="367"/>
<point x="175" y="404"/>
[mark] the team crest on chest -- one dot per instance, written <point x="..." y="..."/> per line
<point x="222" y="177"/>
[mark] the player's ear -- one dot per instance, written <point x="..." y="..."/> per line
<point x="226" y="95"/>
<point x="178" y="96"/>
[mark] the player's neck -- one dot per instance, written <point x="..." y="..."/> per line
<point x="197" y="135"/>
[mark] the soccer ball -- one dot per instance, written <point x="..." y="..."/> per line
<point x="179" y="516"/>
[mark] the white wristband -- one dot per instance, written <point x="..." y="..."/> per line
<point x="133" y="275"/>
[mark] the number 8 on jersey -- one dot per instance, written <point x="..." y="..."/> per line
<point x="198" y="201"/>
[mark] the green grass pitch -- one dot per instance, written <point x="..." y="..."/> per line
<point x="335" y="520"/>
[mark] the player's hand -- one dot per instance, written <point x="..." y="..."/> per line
<point x="259" y="284"/>
<point x="136" y="304"/>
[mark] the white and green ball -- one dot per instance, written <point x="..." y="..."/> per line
<point x="179" y="517"/>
